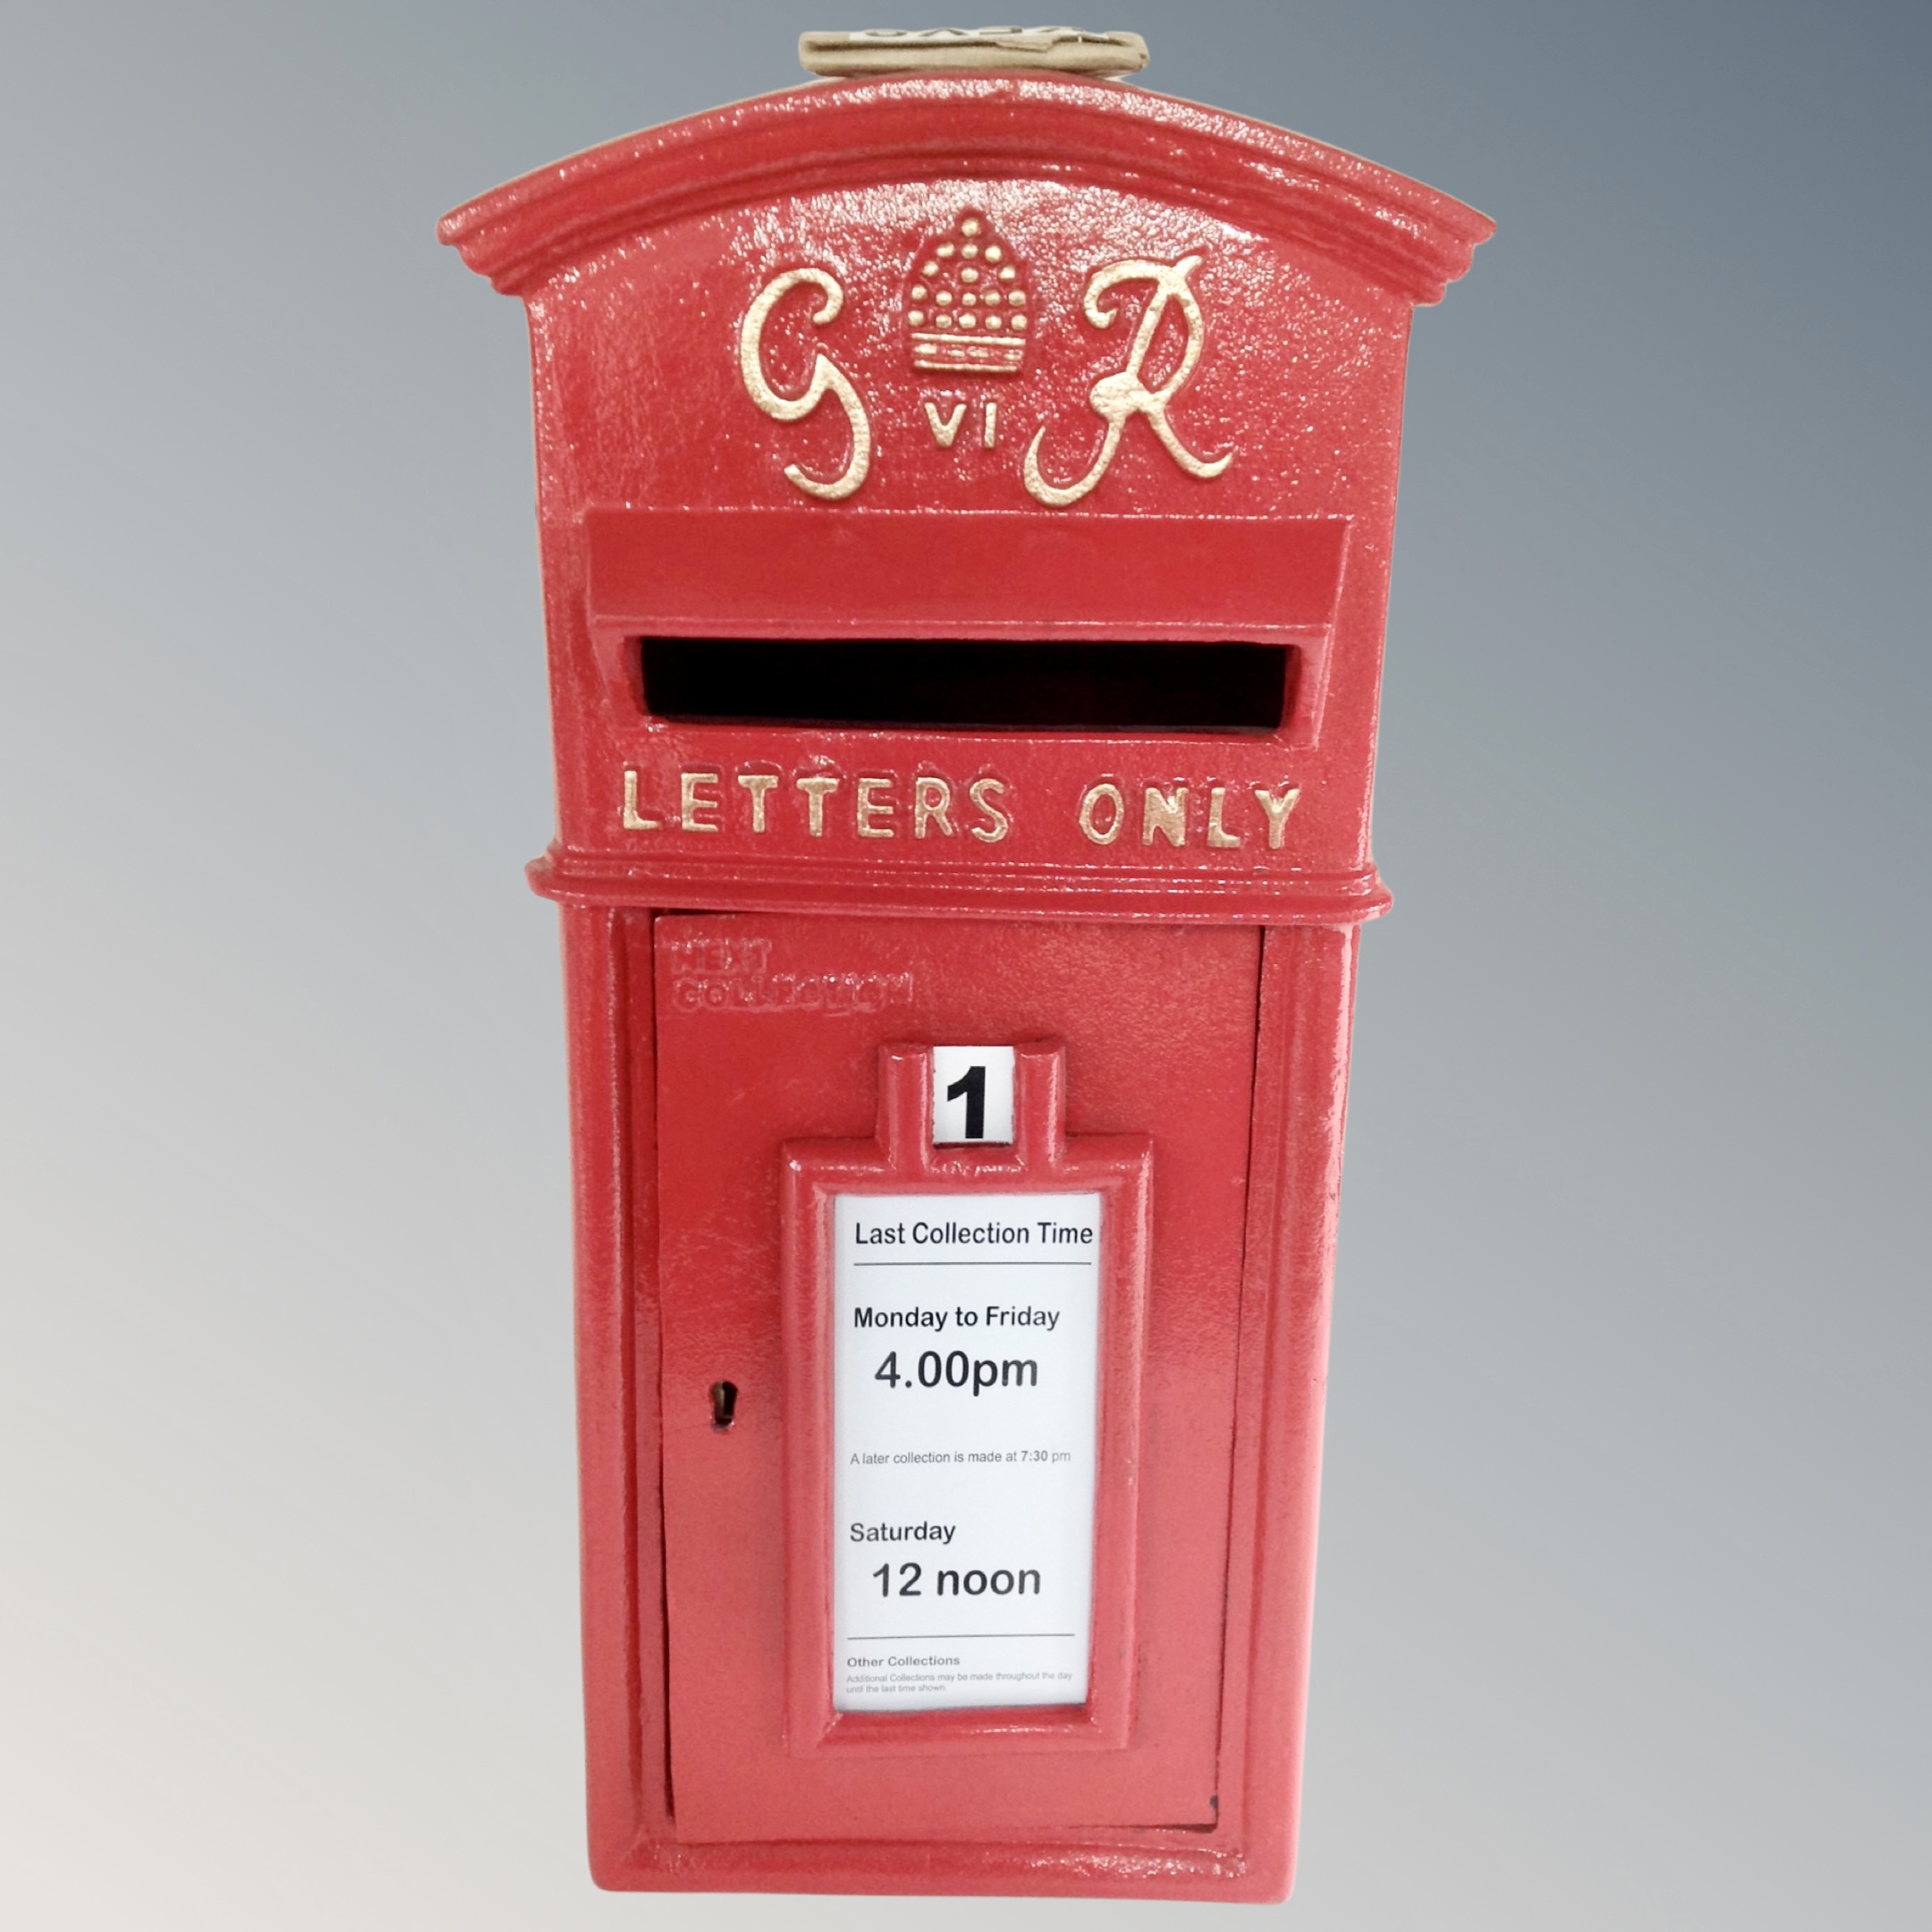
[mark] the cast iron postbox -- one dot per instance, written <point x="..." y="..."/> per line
<point x="965" y="501"/>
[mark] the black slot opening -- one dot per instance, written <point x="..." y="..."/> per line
<point x="968" y="684"/>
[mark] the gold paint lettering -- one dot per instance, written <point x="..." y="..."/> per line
<point x="932" y="804"/>
<point x="989" y="431"/>
<point x="1116" y="398"/>
<point x="1116" y="813"/>
<point x="1218" y="835"/>
<point x="944" y="431"/>
<point x="694" y="803"/>
<point x="869" y="806"/>
<point x="1166" y="813"/>
<point x="757" y="784"/>
<point x="634" y="819"/>
<point x="1277" y="811"/>
<point x="1001" y="825"/>
<point x="826" y="375"/>
<point x="815" y="791"/>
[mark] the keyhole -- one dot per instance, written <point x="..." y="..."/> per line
<point x="724" y="1404"/>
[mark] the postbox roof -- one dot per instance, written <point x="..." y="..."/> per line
<point x="842" y="133"/>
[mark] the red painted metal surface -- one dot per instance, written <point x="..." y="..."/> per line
<point x="1146" y="1011"/>
<point x="1177" y="426"/>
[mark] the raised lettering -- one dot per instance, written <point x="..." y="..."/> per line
<point x="815" y="791"/>
<point x="932" y="804"/>
<point x="826" y="375"/>
<point x="757" y="784"/>
<point x="869" y="806"/>
<point x="945" y="430"/>
<point x="1096" y="795"/>
<point x="978" y="791"/>
<point x="693" y="801"/>
<point x="1165" y="812"/>
<point x="1277" y="811"/>
<point x="1116" y="398"/>
<point x="634" y="819"/>
<point x="1218" y="835"/>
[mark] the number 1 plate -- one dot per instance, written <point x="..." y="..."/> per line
<point x="966" y="1350"/>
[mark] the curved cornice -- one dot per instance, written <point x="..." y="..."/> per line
<point x="863" y="132"/>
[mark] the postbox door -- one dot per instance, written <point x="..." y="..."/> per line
<point x="768" y="1033"/>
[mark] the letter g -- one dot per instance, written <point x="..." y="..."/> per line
<point x="826" y="375"/>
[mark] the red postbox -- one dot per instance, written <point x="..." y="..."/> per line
<point x="965" y="501"/>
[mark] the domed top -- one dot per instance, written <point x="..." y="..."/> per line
<point x="997" y="126"/>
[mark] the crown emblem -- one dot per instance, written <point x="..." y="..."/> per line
<point x="966" y="304"/>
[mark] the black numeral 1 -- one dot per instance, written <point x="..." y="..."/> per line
<point x="972" y="1084"/>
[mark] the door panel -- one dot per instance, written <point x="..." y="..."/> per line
<point x="767" y="1031"/>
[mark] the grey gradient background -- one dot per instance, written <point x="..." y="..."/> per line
<point x="1623" y="1607"/>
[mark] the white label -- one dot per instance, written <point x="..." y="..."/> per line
<point x="966" y="1364"/>
<point x="972" y="1094"/>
